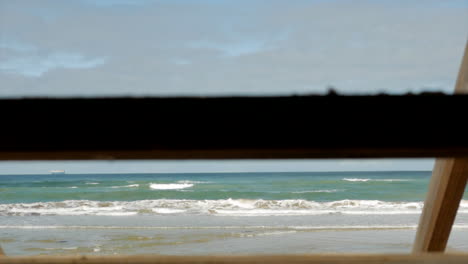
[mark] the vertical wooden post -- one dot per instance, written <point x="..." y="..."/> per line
<point x="445" y="190"/>
<point x="1" y="252"/>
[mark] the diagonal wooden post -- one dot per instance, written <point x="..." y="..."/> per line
<point x="461" y="87"/>
<point x="446" y="190"/>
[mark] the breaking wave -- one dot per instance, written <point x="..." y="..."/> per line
<point x="320" y="191"/>
<point x="170" y="186"/>
<point x="233" y="207"/>
<point x="377" y="180"/>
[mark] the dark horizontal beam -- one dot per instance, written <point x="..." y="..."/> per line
<point x="234" y="128"/>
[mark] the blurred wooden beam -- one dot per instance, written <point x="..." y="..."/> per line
<point x="279" y="259"/>
<point x="233" y="128"/>
<point x="445" y="190"/>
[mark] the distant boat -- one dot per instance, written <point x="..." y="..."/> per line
<point x="57" y="172"/>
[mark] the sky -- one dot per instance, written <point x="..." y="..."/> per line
<point x="211" y="166"/>
<point x="229" y="47"/>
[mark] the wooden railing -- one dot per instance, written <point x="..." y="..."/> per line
<point x="429" y="258"/>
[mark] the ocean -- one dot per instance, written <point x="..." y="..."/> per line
<point x="216" y="213"/>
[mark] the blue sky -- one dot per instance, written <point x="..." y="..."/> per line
<point x="184" y="166"/>
<point x="188" y="47"/>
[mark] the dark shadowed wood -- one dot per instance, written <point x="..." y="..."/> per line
<point x="233" y="128"/>
<point x="445" y="190"/>
<point x="280" y="259"/>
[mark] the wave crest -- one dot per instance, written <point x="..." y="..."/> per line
<point x="238" y="207"/>
<point x="377" y="180"/>
<point x="125" y="186"/>
<point x="170" y="186"/>
<point x="321" y="191"/>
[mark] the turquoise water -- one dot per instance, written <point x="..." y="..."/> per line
<point x="215" y="213"/>
<point x="312" y="186"/>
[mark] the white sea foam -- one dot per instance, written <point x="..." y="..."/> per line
<point x="179" y="185"/>
<point x="192" y="182"/>
<point x="126" y="186"/>
<point x="117" y="213"/>
<point x="73" y="187"/>
<point x="355" y="180"/>
<point x="282" y="229"/>
<point x="320" y="191"/>
<point x="92" y="183"/>
<point x="393" y="180"/>
<point x="233" y="207"/>
<point x="170" y="186"/>
<point x="167" y="211"/>
<point x="464" y="204"/>
<point x="272" y="233"/>
<point x="377" y="180"/>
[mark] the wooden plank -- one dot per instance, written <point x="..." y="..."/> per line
<point x="461" y="87"/>
<point x="445" y="190"/>
<point x="281" y="259"/>
<point x="440" y="208"/>
<point x="233" y="128"/>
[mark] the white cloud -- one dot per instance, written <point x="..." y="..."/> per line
<point x="232" y="47"/>
<point x="37" y="65"/>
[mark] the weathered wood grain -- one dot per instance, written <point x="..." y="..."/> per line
<point x="280" y="259"/>
<point x="440" y="208"/>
